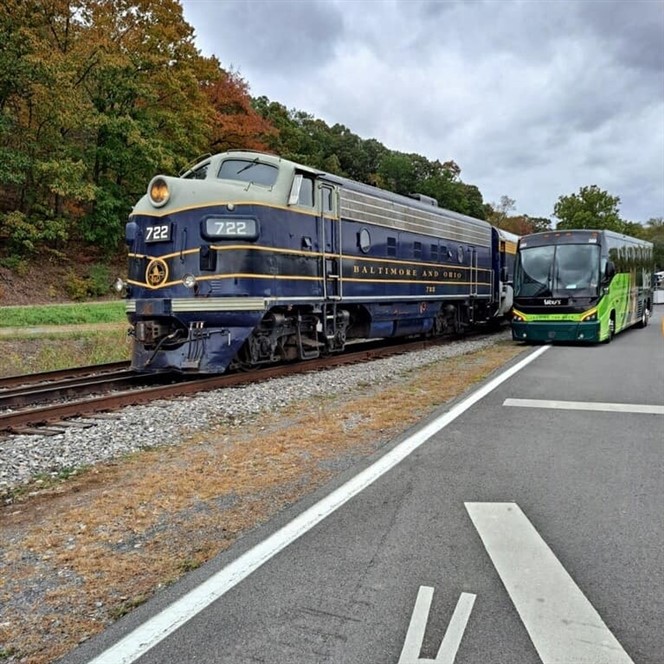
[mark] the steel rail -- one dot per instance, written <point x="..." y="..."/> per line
<point x="76" y="387"/>
<point x="60" y="374"/>
<point x="54" y="413"/>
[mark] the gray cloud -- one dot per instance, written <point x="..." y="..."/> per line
<point x="532" y="99"/>
<point x="634" y="28"/>
<point x="270" y="35"/>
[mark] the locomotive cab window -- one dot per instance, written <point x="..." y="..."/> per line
<point x="306" y="196"/>
<point x="199" y="173"/>
<point x="327" y="199"/>
<point x="248" y="170"/>
<point x="391" y="246"/>
<point x="302" y="191"/>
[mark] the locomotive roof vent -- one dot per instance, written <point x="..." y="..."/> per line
<point x="423" y="198"/>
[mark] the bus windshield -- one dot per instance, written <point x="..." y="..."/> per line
<point x="555" y="270"/>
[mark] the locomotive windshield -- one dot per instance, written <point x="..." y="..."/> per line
<point x="554" y="270"/>
<point x="248" y="170"/>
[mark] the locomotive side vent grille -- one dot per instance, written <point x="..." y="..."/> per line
<point x="371" y="210"/>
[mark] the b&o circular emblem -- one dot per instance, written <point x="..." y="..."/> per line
<point x="156" y="273"/>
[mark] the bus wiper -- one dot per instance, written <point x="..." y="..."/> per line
<point x="250" y="165"/>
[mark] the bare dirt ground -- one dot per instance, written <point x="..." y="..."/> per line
<point x="80" y="553"/>
<point x="45" y="279"/>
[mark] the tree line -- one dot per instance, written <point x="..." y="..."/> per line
<point x="97" y="96"/>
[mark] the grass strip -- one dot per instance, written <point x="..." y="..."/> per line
<point x="63" y="314"/>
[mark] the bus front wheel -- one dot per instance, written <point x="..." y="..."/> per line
<point x="612" y="328"/>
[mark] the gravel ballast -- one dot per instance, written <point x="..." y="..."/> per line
<point x="24" y="459"/>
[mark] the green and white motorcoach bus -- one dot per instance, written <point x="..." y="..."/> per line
<point x="580" y="285"/>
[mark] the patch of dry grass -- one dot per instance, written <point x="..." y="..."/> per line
<point x="76" y="559"/>
<point x="64" y="350"/>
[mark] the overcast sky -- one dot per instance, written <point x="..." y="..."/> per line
<point x="533" y="99"/>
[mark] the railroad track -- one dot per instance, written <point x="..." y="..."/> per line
<point x="46" y="377"/>
<point x="104" y="392"/>
<point x="71" y="388"/>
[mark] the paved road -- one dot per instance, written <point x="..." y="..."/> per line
<point x="520" y="532"/>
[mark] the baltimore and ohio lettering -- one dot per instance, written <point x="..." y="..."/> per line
<point x="412" y="272"/>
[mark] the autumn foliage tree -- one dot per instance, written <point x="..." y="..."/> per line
<point x="235" y="123"/>
<point x="498" y="214"/>
<point x="96" y="96"/>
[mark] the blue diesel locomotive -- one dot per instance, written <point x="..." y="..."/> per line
<point x="248" y="259"/>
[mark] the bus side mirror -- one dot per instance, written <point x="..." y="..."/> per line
<point x="610" y="271"/>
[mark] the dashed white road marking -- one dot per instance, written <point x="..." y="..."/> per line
<point x="586" y="405"/>
<point x="418" y="622"/>
<point x="563" y="625"/>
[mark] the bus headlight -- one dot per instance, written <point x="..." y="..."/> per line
<point x="158" y="192"/>
<point x="590" y="316"/>
<point x="517" y="317"/>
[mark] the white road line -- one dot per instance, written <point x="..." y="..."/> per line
<point x="157" y="628"/>
<point x="412" y="645"/>
<point x="563" y="625"/>
<point x="418" y="622"/>
<point x="586" y="405"/>
<point x="456" y="628"/>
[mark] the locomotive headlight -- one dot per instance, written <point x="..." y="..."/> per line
<point x="119" y="285"/>
<point x="189" y="280"/>
<point x="158" y="192"/>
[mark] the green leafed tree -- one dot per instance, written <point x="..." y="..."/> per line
<point x="308" y="140"/>
<point x="96" y="97"/>
<point x="539" y="224"/>
<point x="590" y="208"/>
<point x="396" y="172"/>
<point x="654" y="232"/>
<point x="148" y="109"/>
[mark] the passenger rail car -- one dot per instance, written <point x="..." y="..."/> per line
<point x="249" y="259"/>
